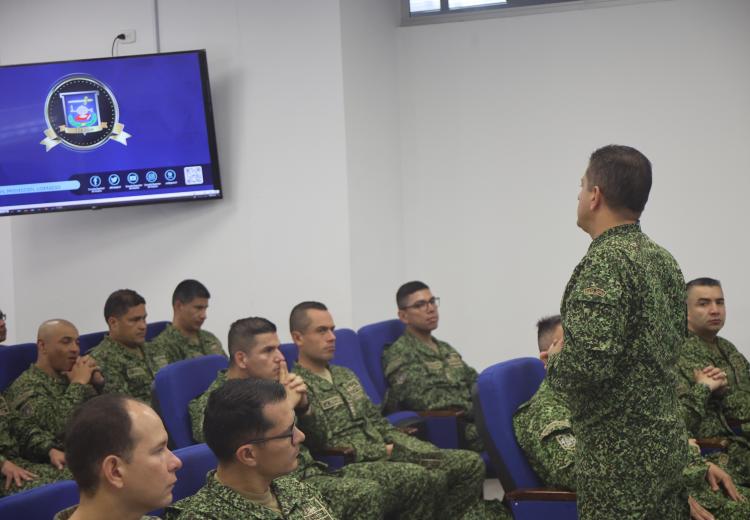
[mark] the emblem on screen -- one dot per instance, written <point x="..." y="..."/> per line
<point x="82" y="114"/>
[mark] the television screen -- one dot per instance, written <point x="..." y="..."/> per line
<point x="95" y="133"/>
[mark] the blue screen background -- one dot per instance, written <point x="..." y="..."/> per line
<point x="160" y="101"/>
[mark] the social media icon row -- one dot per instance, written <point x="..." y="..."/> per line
<point x="95" y="181"/>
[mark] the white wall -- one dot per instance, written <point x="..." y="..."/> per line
<point x="498" y="119"/>
<point x="282" y="232"/>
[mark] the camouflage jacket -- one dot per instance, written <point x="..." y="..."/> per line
<point x="423" y="379"/>
<point x="624" y="320"/>
<point x="341" y="415"/>
<point x="706" y="413"/>
<point x="129" y="371"/>
<point x="65" y="514"/>
<point x="543" y="431"/>
<point x="44" y="404"/>
<point x="306" y="465"/>
<point x="216" y="501"/>
<point x="178" y="347"/>
<point x="8" y="432"/>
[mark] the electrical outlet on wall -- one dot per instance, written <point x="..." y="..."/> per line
<point x="129" y="36"/>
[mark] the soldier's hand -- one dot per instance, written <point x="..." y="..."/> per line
<point x="15" y="474"/>
<point x="82" y="370"/>
<point x="57" y="458"/>
<point x="283" y="372"/>
<point x="97" y="380"/>
<point x="697" y="511"/>
<point x="717" y="478"/>
<point x="555" y="348"/>
<point x="712" y="377"/>
<point x="388" y="450"/>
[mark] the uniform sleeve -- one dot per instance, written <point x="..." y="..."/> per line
<point x="693" y="398"/>
<point x="595" y="324"/>
<point x="736" y="402"/>
<point x="197" y="410"/>
<point x="212" y="345"/>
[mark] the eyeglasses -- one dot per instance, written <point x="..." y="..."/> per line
<point x="289" y="434"/>
<point x="422" y="304"/>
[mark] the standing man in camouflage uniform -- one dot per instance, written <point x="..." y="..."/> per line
<point x="117" y="452"/>
<point x="351" y="492"/>
<point x="341" y="415"/>
<point x="184" y="338"/>
<point x="543" y="430"/>
<point x="423" y="372"/>
<point x="714" y="386"/>
<point x="46" y="394"/>
<point x="252" y="429"/>
<point x="19" y="474"/>
<point x="129" y="364"/>
<point x="623" y="314"/>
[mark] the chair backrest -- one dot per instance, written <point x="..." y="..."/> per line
<point x="43" y="502"/>
<point x="290" y="354"/>
<point x="155" y="328"/>
<point x="499" y="391"/>
<point x="374" y="338"/>
<point x="14" y="360"/>
<point x="176" y="385"/>
<point x="197" y="460"/>
<point x="349" y="354"/>
<point x="90" y="340"/>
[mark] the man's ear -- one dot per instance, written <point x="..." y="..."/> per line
<point x="240" y="359"/>
<point x="597" y="198"/>
<point x="113" y="471"/>
<point x="296" y="337"/>
<point x="111" y="322"/>
<point x="246" y="455"/>
<point x="402" y="316"/>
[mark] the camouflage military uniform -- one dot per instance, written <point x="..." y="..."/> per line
<point x="179" y="347"/>
<point x="215" y="501"/>
<point x="624" y="320"/>
<point x="341" y="415"/>
<point x="350" y="492"/>
<point x="11" y="435"/>
<point x="45" y="403"/>
<point x="542" y="427"/>
<point x="421" y="378"/>
<point x="65" y="514"/>
<point x="129" y="371"/>
<point x="707" y="413"/>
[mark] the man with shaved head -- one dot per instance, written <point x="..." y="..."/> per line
<point x="47" y="392"/>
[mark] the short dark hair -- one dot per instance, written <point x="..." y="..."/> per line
<point x="120" y="302"/>
<point x="188" y="290"/>
<point x="623" y="175"/>
<point x="98" y="428"/>
<point x="234" y="414"/>
<point x="407" y="290"/>
<point x="702" y="282"/>
<point x="545" y="326"/>
<point x="298" y="320"/>
<point x="242" y="333"/>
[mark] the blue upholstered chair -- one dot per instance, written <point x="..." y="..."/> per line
<point x="90" y="340"/>
<point x="290" y="354"/>
<point x="155" y="328"/>
<point x="197" y="460"/>
<point x="374" y="338"/>
<point x="176" y="385"/>
<point x="40" y="503"/>
<point x="14" y="360"/>
<point x="499" y="391"/>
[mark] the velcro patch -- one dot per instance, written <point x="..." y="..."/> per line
<point x="554" y="426"/>
<point x="161" y="361"/>
<point x="594" y="291"/>
<point x="331" y="402"/>
<point x="433" y="366"/>
<point x="316" y="511"/>
<point x="134" y="372"/>
<point x="567" y="441"/>
<point x="455" y="361"/>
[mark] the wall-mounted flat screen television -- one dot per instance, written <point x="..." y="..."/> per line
<point x="95" y="133"/>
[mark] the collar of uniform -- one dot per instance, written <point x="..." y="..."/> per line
<point x="417" y="343"/>
<point x="621" y="230"/>
<point x="38" y="373"/>
<point x="287" y="502"/>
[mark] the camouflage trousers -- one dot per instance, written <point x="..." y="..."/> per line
<point x="45" y="474"/>
<point x="349" y="497"/>
<point x="471" y="439"/>
<point x="722" y="507"/>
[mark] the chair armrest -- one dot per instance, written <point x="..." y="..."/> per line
<point x="408" y="430"/>
<point x="540" y="494"/>
<point x="346" y="452"/>
<point x="448" y="412"/>
<point x="713" y="443"/>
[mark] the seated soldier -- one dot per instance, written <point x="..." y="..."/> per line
<point x="341" y="415"/>
<point x="353" y="492"/>
<point x="543" y="430"/>
<point x="128" y="363"/>
<point x="19" y="474"/>
<point x="117" y="452"/>
<point x="714" y="377"/>
<point x="423" y="372"/>
<point x="251" y="428"/>
<point x="184" y="338"/>
<point x="46" y="394"/>
<point x="3" y="326"/>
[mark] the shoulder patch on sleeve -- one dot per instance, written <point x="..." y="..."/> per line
<point x="554" y="426"/>
<point x="594" y="291"/>
<point x="567" y="441"/>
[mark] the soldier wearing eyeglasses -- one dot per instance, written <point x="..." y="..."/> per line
<point x="250" y="425"/>
<point x="423" y="372"/>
